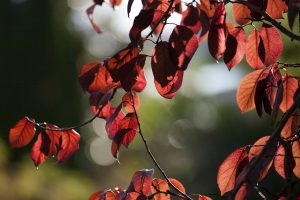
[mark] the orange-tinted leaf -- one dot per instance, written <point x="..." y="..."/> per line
<point x="68" y="145"/>
<point x="22" y="133"/>
<point x="290" y="126"/>
<point x="217" y="33"/>
<point x="290" y="86"/>
<point x="141" y="22"/>
<point x="163" y="66"/>
<point x="203" y="197"/>
<point x="159" y="185"/>
<point x="95" y="196"/>
<point x="207" y="7"/>
<point x="160" y="8"/>
<point x="177" y="184"/>
<point x="128" y="127"/>
<point x="275" y="8"/>
<point x="246" y="91"/>
<point x="185" y="44"/>
<point x="141" y="182"/>
<point x="191" y="19"/>
<point x="255" y="150"/>
<point x="37" y="156"/>
<point x="99" y="101"/>
<point x="115" y="3"/>
<point x="284" y="161"/>
<point x="235" y="47"/>
<point x="128" y="104"/>
<point x="272" y="43"/>
<point x="241" y="13"/>
<point x="255" y="52"/>
<point x="228" y="170"/>
<point x="141" y="81"/>
<point x="90" y="12"/>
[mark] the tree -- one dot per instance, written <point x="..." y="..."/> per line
<point x="269" y="88"/>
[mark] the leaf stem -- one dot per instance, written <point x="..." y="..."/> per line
<point x="150" y="153"/>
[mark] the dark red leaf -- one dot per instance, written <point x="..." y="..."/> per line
<point x="141" y="22"/>
<point x="293" y="10"/>
<point x="185" y="44"/>
<point x="217" y="33"/>
<point x="53" y="138"/>
<point x="112" y="124"/>
<point x="290" y="126"/>
<point x="163" y="66"/>
<point x="22" y="133"/>
<point x="128" y="127"/>
<point x="235" y="47"/>
<point x="205" y="24"/>
<point x="272" y="43"/>
<point x="228" y="170"/>
<point x="262" y="5"/>
<point x="99" y="101"/>
<point x="68" y="145"/>
<point x="191" y="19"/>
<point x="296" y="156"/>
<point x="37" y="156"/>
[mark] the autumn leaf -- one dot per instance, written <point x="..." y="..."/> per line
<point x="177" y="184"/>
<point x="228" y="170"/>
<point x="296" y="156"/>
<point x="22" y="133"/>
<point x="255" y="52"/>
<point x="235" y="47"/>
<point x="90" y="12"/>
<point x="217" y="33"/>
<point x="128" y="103"/>
<point x="159" y="185"/>
<point x="68" y="145"/>
<point x="275" y="8"/>
<point x="185" y="44"/>
<point x="112" y="123"/>
<point x="191" y="19"/>
<point x="37" y="156"/>
<point x="246" y="91"/>
<point x="240" y="13"/>
<point x="290" y="86"/>
<point x="272" y="43"/>
<point x="141" y="182"/>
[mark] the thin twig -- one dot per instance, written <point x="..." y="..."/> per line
<point x="150" y="153"/>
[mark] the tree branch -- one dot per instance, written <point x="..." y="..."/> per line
<point x="269" y="19"/>
<point x="150" y="153"/>
<point x="273" y="138"/>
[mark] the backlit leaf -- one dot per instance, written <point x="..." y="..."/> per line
<point x="246" y="91"/>
<point x="275" y="8"/>
<point x="128" y="104"/>
<point x="22" y="133"/>
<point x="228" y="170"/>
<point x="240" y="13"/>
<point x="217" y="33"/>
<point x="69" y="144"/>
<point x="191" y="19"/>
<point x="290" y="86"/>
<point x="141" y="182"/>
<point x="235" y="47"/>
<point x="37" y="156"/>
<point x="162" y="186"/>
<point x="255" y="52"/>
<point x="141" y="22"/>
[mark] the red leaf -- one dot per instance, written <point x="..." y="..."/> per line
<point x="141" y="82"/>
<point x="246" y="91"/>
<point x="262" y="5"/>
<point x="255" y="52"/>
<point x="185" y="44"/>
<point x="94" y="77"/>
<point x="217" y="33"/>
<point x="235" y="47"/>
<point x="205" y="24"/>
<point x="141" y="182"/>
<point x="22" y="133"/>
<point x="279" y="162"/>
<point x="128" y="127"/>
<point x="100" y="101"/>
<point x="191" y="19"/>
<point x="141" y="22"/>
<point x="163" y="67"/>
<point x="202" y="197"/>
<point x="128" y="104"/>
<point x="272" y="43"/>
<point x="69" y="144"/>
<point x="290" y="126"/>
<point x="95" y="196"/>
<point x="90" y="12"/>
<point x="112" y="124"/>
<point x="37" y="156"/>
<point x="275" y="8"/>
<point x="240" y="13"/>
<point x="290" y="86"/>
<point x="207" y="7"/>
<point x="162" y="186"/>
<point x="228" y="170"/>
<point x="172" y="87"/>
<point x="53" y="138"/>
<point x="160" y="8"/>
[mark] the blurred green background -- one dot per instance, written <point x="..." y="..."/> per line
<point x="43" y="44"/>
